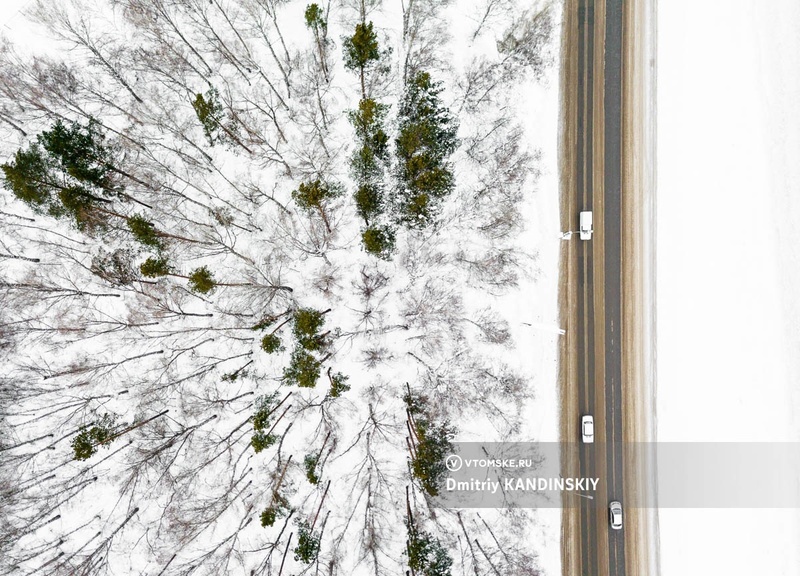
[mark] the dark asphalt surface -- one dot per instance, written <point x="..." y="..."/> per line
<point x="612" y="249"/>
<point x="586" y="367"/>
<point x="594" y="514"/>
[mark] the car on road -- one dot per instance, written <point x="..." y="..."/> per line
<point x="615" y="515"/>
<point x="586" y="225"/>
<point x="587" y="428"/>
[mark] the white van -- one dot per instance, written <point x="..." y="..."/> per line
<point x="586" y="226"/>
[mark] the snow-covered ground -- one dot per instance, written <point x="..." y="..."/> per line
<point x="12" y="20"/>
<point x="527" y="161"/>
<point x="727" y="262"/>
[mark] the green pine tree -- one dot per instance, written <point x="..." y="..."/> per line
<point x="261" y="441"/>
<point x="361" y="48"/>
<point x="29" y="176"/>
<point x="89" y="438"/>
<point x="339" y="384"/>
<point x="368" y="160"/>
<point x="316" y="22"/>
<point x="210" y="113"/>
<point x="201" y="280"/>
<point x="315" y="19"/>
<point x="307" y="547"/>
<point x="426" y="139"/>
<point x="273" y="512"/>
<point x="367" y="166"/>
<point x="314" y="196"/>
<point x="84" y="207"/>
<point x="426" y="555"/>
<point x="144" y="231"/>
<point x="307" y="323"/>
<point x="433" y="444"/>
<point x="264" y="405"/>
<point x="368" y="122"/>
<point x="310" y="464"/>
<point x="81" y="152"/>
<point x="154" y="267"/>
<point x="268" y="517"/>
<point x="378" y="241"/>
<point x="369" y="202"/>
<point x="66" y="172"/>
<point x="271" y="343"/>
<point x="303" y="369"/>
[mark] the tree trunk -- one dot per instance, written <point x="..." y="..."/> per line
<point x="321" y="502"/>
<point x="286" y="551"/>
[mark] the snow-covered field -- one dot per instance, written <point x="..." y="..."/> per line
<point x="727" y="262"/>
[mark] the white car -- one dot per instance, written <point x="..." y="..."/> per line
<point x="586" y="226"/>
<point x="615" y="515"/>
<point x="587" y="428"/>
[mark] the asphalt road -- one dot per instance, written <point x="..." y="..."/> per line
<point x="599" y="370"/>
<point x="612" y="249"/>
<point x="585" y="276"/>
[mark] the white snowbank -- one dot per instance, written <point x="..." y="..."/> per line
<point x="728" y="188"/>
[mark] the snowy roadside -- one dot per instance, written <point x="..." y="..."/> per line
<point x="728" y="184"/>
<point x="639" y="201"/>
<point x="648" y="66"/>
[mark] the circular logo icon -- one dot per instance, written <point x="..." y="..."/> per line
<point x="453" y="463"/>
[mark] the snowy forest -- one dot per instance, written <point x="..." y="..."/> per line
<point x="253" y="261"/>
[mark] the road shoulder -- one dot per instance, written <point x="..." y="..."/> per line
<point x="638" y="244"/>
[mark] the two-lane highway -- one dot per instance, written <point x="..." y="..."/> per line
<point x="612" y="251"/>
<point x="585" y="276"/>
<point x="593" y="383"/>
